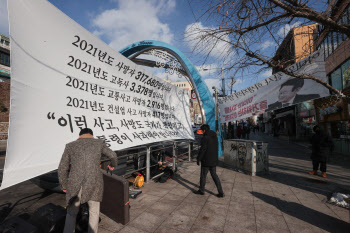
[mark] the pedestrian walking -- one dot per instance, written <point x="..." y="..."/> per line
<point x="321" y="144"/>
<point x="244" y="132"/>
<point x="248" y="132"/>
<point x="239" y="132"/>
<point x="81" y="178"/>
<point x="208" y="158"/>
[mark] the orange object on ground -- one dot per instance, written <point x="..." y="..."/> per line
<point x="324" y="175"/>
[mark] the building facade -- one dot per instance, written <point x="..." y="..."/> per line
<point x="5" y="73"/>
<point x="294" y="122"/>
<point x="333" y="113"/>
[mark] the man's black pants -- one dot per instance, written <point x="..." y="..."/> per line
<point x="204" y="172"/>
<point x="322" y="165"/>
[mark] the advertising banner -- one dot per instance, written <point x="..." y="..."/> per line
<point x="277" y="91"/>
<point x="65" y="79"/>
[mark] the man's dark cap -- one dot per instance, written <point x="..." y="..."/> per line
<point x="205" y="127"/>
<point x="86" y="131"/>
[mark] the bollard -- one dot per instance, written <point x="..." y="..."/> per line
<point x="189" y="151"/>
<point x="174" y="156"/>
<point x="148" y="164"/>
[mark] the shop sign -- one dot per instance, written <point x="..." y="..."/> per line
<point x="330" y="110"/>
<point x="303" y="114"/>
<point x="282" y="114"/>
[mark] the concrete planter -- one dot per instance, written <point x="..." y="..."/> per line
<point x="247" y="155"/>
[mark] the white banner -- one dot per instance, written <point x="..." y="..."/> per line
<point x="64" y="79"/>
<point x="277" y="91"/>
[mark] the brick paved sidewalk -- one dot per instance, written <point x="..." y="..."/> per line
<point x="288" y="200"/>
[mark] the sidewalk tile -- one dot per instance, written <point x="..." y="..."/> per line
<point x="179" y="222"/>
<point x="130" y="229"/>
<point x="267" y="208"/>
<point x="240" y="222"/>
<point x="172" y="199"/>
<point x="158" y="192"/>
<point x="223" y="200"/>
<point x="215" y="208"/>
<point x="147" y="222"/>
<point x="297" y="228"/>
<point x="270" y="229"/>
<point x="188" y="209"/>
<point x="163" y="229"/>
<point x="161" y="208"/>
<point x="241" y="207"/>
<point x="109" y="224"/>
<point x="196" y="199"/>
<point x="210" y="220"/>
<point x="180" y="191"/>
<point x="196" y="229"/>
<point x="266" y="220"/>
<point x="241" y="218"/>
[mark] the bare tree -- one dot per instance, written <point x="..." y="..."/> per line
<point x="241" y="27"/>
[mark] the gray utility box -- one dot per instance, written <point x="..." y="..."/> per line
<point x="247" y="155"/>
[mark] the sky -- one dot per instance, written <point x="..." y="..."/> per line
<point x="122" y="22"/>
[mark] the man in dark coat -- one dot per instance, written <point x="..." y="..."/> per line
<point x="320" y="147"/>
<point x="208" y="157"/>
<point x="81" y="178"/>
<point x="288" y="94"/>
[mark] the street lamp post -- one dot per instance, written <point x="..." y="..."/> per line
<point x="216" y="110"/>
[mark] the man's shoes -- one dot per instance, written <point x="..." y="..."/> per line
<point x="314" y="172"/>
<point x="199" y="192"/>
<point x="324" y="175"/>
<point x="220" y="195"/>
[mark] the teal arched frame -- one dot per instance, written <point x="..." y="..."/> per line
<point x="201" y="88"/>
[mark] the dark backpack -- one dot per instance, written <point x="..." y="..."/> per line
<point x="168" y="173"/>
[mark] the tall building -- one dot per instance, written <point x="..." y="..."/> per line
<point x="298" y="44"/>
<point x="5" y="70"/>
<point x="297" y="121"/>
<point x="5" y="73"/>
<point x="333" y="113"/>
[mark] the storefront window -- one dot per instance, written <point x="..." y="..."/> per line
<point x="345" y="68"/>
<point x="336" y="79"/>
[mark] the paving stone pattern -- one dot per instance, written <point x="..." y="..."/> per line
<point x="286" y="200"/>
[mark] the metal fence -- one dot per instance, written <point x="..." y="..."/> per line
<point x="137" y="159"/>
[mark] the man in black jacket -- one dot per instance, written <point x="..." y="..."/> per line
<point x="208" y="156"/>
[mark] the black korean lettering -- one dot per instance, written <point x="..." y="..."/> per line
<point x="83" y="86"/>
<point x="76" y="42"/>
<point x="143" y="88"/>
<point x="69" y="81"/>
<point x="89" y="50"/>
<point x="77" y="64"/>
<point x="69" y="102"/>
<point x="83" y="45"/>
<point x="70" y="63"/>
<point x="138" y="89"/>
<point x="132" y="88"/>
<point x="83" y="103"/>
<point x="75" y="102"/>
<point x="85" y="65"/>
<point x="75" y="83"/>
<point x="138" y="75"/>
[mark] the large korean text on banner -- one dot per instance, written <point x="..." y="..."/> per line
<point x="65" y="79"/>
<point x="277" y="91"/>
